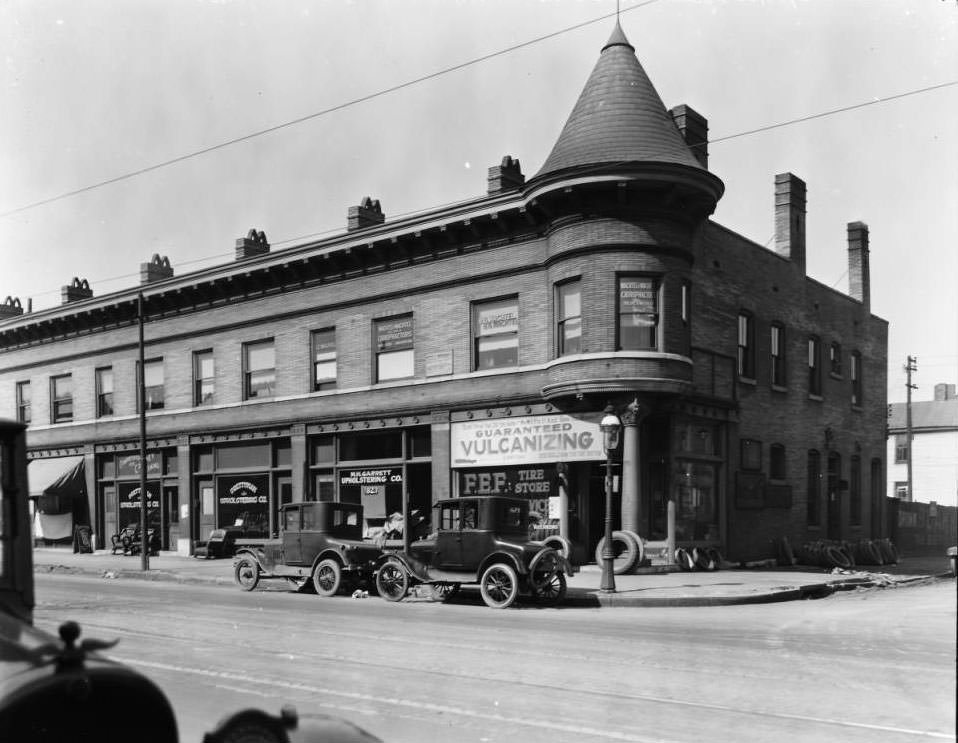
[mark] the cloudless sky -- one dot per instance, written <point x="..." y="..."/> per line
<point x="94" y="89"/>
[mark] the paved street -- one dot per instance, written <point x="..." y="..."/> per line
<point x="871" y="665"/>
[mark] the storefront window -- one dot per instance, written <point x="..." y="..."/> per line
<point x="243" y="456"/>
<point x="697" y="438"/>
<point x="696" y="512"/>
<point x="378" y="445"/>
<point x="419" y="443"/>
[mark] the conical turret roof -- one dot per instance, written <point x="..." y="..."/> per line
<point x="619" y="118"/>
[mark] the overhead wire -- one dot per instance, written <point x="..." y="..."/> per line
<point x="416" y="81"/>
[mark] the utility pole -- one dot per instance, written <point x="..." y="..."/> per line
<point x="141" y="393"/>
<point x="911" y="366"/>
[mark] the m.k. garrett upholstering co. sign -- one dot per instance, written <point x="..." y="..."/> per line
<point x="530" y="440"/>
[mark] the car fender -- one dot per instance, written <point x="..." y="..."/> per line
<point x="417" y="569"/>
<point x="563" y="565"/>
<point x="255" y="553"/>
<point x="505" y="557"/>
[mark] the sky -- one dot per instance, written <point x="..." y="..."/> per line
<point x="93" y="91"/>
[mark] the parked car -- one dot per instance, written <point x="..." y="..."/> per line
<point x="320" y="548"/>
<point x="480" y="540"/>
<point x="55" y="689"/>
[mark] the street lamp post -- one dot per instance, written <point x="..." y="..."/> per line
<point x="610" y="426"/>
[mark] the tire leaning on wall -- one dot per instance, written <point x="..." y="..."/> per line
<point x="627" y="557"/>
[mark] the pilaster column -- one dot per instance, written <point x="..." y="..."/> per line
<point x="185" y="497"/>
<point x="300" y="462"/>
<point x="631" y="467"/>
<point x="439" y="438"/>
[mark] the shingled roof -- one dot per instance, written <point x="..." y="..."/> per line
<point x="618" y="118"/>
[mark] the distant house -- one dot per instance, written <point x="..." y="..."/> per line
<point x="934" y="449"/>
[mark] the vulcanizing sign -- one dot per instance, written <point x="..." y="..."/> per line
<point x="528" y="440"/>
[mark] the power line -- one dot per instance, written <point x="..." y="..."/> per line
<point x="835" y="111"/>
<point x="317" y="114"/>
<point x="432" y="76"/>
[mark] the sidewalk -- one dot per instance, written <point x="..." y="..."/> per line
<point x="698" y="588"/>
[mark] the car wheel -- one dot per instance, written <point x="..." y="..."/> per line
<point x="246" y="572"/>
<point x="392" y="581"/>
<point x="499" y="585"/>
<point x="444" y="591"/>
<point x="552" y="591"/>
<point x="328" y="577"/>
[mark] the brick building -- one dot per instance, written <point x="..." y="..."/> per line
<point x="473" y="348"/>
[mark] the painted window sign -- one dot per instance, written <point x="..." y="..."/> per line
<point x="637" y="296"/>
<point x="129" y="464"/>
<point x="500" y="317"/>
<point x="128" y="500"/>
<point x="394" y="334"/>
<point x="527" y="440"/>
<point x="532" y="482"/>
<point x="371" y="476"/>
<point x="243" y="500"/>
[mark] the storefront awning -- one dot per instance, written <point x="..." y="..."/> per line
<point x="55" y="476"/>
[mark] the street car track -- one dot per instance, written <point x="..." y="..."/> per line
<point x="527" y="720"/>
<point x="415" y="626"/>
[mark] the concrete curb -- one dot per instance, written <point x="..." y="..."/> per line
<point x="577" y="597"/>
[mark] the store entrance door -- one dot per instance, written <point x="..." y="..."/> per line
<point x="205" y="510"/>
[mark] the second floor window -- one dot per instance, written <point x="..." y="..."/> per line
<point x="259" y="370"/>
<point x="855" y="492"/>
<point x="901" y="448"/>
<point x="746" y="345"/>
<point x="61" y="394"/>
<point x="324" y="359"/>
<point x="104" y="392"/>
<point x="153" y="391"/>
<point x="835" y="359"/>
<point x="393" y="346"/>
<point x="777" y="346"/>
<point x="814" y="366"/>
<point x="24" y="403"/>
<point x="856" y="374"/>
<point x="495" y="331"/>
<point x="569" y="318"/>
<point x="204" y="382"/>
<point x="638" y="313"/>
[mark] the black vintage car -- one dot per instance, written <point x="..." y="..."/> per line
<point x="482" y="540"/>
<point x="319" y="548"/>
<point x="55" y="689"/>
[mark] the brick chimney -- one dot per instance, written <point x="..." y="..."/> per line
<point x="78" y="289"/>
<point x="11" y="307"/>
<point x="156" y="270"/>
<point x="859" y="275"/>
<point x="368" y="214"/>
<point x="253" y="244"/>
<point x="790" y="219"/>
<point x="506" y="177"/>
<point x="694" y="129"/>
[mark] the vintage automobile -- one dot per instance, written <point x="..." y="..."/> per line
<point x="55" y="689"/>
<point x="320" y="548"/>
<point x="482" y="540"/>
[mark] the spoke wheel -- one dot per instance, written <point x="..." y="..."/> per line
<point x="444" y="591"/>
<point x="499" y="586"/>
<point x="551" y="591"/>
<point x="392" y="581"/>
<point x="328" y="577"/>
<point x="246" y="572"/>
